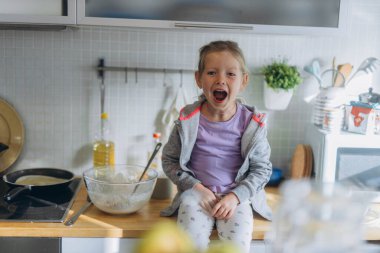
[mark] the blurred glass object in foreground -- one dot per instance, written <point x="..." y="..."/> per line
<point x="317" y="217"/>
<point x="167" y="237"/>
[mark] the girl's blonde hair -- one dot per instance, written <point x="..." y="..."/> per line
<point x="218" y="46"/>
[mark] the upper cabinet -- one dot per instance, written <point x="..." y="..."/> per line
<point x="38" y="12"/>
<point x="258" y="16"/>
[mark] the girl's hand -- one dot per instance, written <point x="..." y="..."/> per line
<point x="207" y="197"/>
<point x="225" y="208"/>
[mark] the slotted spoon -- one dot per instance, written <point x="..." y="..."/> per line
<point x="367" y="66"/>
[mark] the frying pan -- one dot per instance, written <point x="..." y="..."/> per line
<point x="11" y="178"/>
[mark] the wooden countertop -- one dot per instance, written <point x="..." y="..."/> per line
<point x="95" y="223"/>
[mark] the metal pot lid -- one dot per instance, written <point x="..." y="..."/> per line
<point x="369" y="97"/>
<point x="11" y="135"/>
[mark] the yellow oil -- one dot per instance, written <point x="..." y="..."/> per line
<point x="103" y="153"/>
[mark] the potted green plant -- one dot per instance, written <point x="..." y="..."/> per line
<point x="280" y="80"/>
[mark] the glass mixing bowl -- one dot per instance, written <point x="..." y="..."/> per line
<point x="116" y="189"/>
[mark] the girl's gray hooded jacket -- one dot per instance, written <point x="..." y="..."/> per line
<point x="252" y="176"/>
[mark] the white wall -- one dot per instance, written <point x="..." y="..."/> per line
<point x="49" y="77"/>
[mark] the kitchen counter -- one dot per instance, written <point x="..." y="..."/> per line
<point x="97" y="224"/>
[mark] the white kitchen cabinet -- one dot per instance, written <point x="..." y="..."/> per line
<point x="124" y="245"/>
<point x="121" y="245"/>
<point x="284" y="17"/>
<point x="276" y="16"/>
<point x="37" y="12"/>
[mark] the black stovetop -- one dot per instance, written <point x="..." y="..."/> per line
<point x="42" y="207"/>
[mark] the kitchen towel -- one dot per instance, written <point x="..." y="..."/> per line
<point x="170" y="114"/>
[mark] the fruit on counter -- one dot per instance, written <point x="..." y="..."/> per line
<point x="223" y="247"/>
<point x="165" y="237"/>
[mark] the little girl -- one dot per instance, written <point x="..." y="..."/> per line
<point x="218" y="153"/>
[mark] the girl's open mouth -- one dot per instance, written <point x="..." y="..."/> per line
<point x="220" y="95"/>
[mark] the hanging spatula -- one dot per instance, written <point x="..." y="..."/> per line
<point x="315" y="70"/>
<point x="367" y="66"/>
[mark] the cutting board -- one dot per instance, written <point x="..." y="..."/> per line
<point x="309" y="161"/>
<point x="302" y="162"/>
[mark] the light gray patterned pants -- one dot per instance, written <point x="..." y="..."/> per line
<point x="199" y="224"/>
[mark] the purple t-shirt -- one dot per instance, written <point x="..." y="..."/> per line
<point x="216" y="157"/>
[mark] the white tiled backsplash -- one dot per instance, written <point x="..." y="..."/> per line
<point x="50" y="79"/>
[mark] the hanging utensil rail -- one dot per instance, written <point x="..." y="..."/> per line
<point x="102" y="68"/>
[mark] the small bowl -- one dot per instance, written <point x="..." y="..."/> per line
<point x="276" y="177"/>
<point x="116" y="189"/>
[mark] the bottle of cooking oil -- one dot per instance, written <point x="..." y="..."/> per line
<point x="104" y="147"/>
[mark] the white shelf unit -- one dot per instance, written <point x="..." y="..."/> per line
<point x="325" y="147"/>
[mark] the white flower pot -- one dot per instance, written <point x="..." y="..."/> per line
<point x="276" y="99"/>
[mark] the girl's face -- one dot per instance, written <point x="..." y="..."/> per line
<point x="221" y="80"/>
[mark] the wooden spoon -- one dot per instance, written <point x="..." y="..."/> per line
<point x="345" y="70"/>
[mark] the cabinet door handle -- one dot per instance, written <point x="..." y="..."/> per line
<point x="197" y="25"/>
